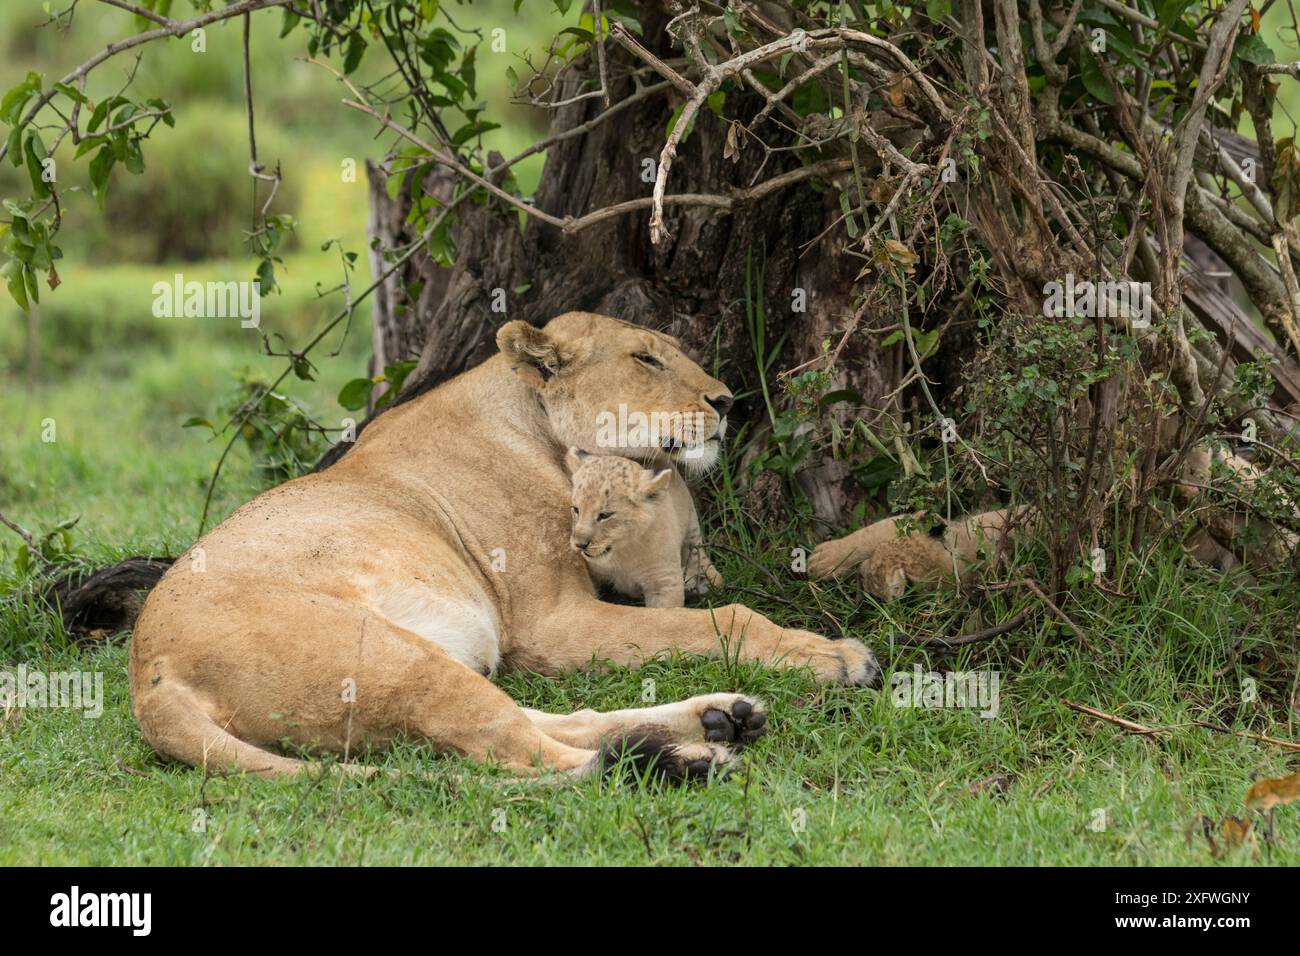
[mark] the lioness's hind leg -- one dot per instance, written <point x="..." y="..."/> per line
<point x="733" y="719"/>
<point x="178" y="728"/>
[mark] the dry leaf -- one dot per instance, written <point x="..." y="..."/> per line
<point x="882" y="189"/>
<point x="997" y="783"/>
<point x="901" y="255"/>
<point x="898" y="92"/>
<point x="731" y="150"/>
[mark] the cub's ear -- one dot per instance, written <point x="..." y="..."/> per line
<point x="576" y="458"/>
<point x="654" y="482"/>
<point x="533" y="355"/>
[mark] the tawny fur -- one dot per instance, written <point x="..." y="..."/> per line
<point x="889" y="557"/>
<point x="890" y="562"/>
<point x="1229" y="537"/>
<point x="369" y="602"/>
<point x="638" y="530"/>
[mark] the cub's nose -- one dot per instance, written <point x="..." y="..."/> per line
<point x="581" y="545"/>
<point x="720" y="403"/>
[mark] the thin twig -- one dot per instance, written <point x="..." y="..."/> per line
<point x="1117" y="721"/>
<point x="940" y="643"/>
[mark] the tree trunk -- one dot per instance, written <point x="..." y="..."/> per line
<point x="692" y="285"/>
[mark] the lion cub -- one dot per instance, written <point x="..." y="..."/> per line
<point x="637" y="529"/>
<point x="889" y="561"/>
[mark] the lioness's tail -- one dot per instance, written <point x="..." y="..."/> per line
<point x="108" y="600"/>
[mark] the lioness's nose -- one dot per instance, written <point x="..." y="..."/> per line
<point x="721" y="403"/>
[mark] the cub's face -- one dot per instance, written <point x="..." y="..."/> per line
<point x="621" y="389"/>
<point x="613" y="502"/>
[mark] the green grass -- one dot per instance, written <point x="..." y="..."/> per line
<point x="870" y="783"/>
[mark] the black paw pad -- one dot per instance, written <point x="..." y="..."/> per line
<point x="743" y="725"/>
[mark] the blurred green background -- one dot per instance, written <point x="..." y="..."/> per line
<point x="117" y="381"/>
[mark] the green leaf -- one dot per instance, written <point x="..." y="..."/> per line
<point x="35" y="152"/>
<point x="840" y="395"/>
<point x="33" y="289"/>
<point x="97" y="117"/>
<point x="1169" y="12"/>
<point x="194" y="421"/>
<point x="355" y="394"/>
<point x="356" y="49"/>
<point x="13" y="273"/>
<point x="86" y="145"/>
<point x="72" y="93"/>
<point x="100" y="167"/>
<point x="938" y="9"/>
<point x="1253" y="49"/>
<point x="14" y="146"/>
<point x="266" y="277"/>
<point x="134" y="161"/>
<point x="1093" y="80"/>
<point x="397" y="372"/>
<point x="12" y="103"/>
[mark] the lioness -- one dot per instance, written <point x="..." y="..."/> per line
<point x="637" y="529"/>
<point x="374" y="600"/>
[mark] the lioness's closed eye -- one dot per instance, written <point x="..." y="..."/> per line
<point x="636" y="529"/>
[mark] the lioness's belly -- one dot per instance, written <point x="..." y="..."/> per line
<point x="464" y="627"/>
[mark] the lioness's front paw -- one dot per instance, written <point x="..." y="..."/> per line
<point x="696" y="761"/>
<point x="861" y="669"/>
<point x="647" y="752"/>
<point x="830" y="559"/>
<point x="843" y="661"/>
<point x="740" y="720"/>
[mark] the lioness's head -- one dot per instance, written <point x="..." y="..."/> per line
<point x="619" y="388"/>
<point x="614" y="500"/>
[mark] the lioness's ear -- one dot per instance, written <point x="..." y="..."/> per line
<point x="575" y="458"/>
<point x="533" y="355"/>
<point x="652" y="483"/>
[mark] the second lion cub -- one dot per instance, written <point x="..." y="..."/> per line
<point x="637" y="529"/>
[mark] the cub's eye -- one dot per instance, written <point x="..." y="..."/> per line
<point x="645" y="358"/>
<point x="575" y="509"/>
<point x="604" y="514"/>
